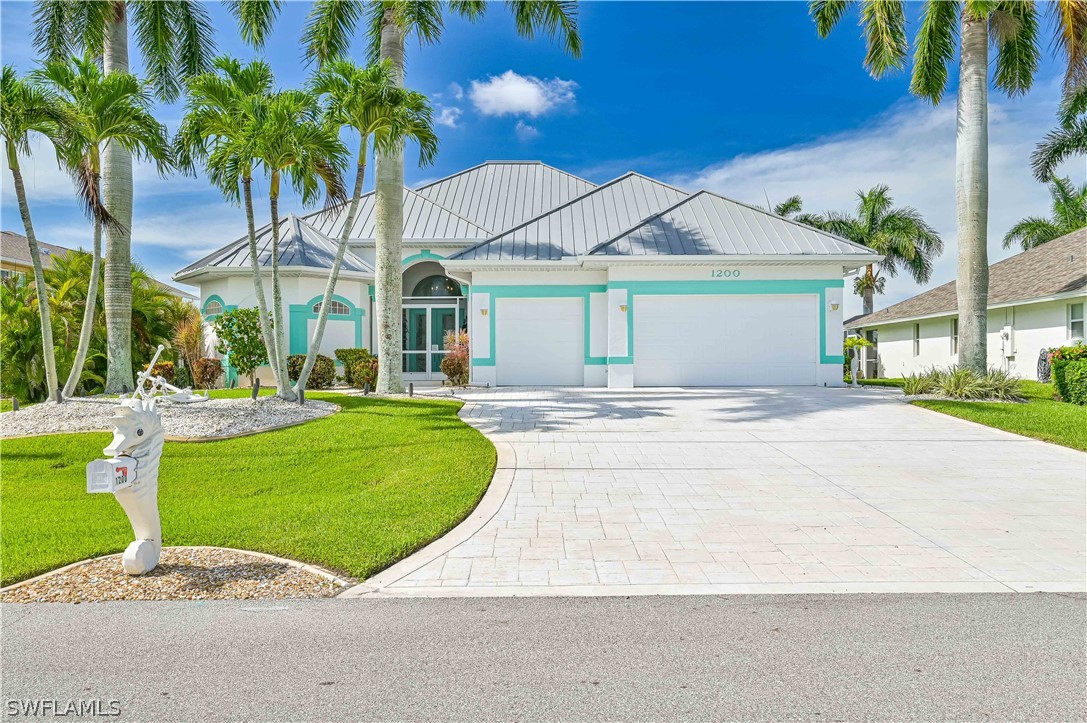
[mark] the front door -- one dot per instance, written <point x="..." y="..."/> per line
<point x="424" y="333"/>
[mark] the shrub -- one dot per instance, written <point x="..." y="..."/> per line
<point x="240" y="336"/>
<point x="1069" y="364"/>
<point x="924" y="383"/>
<point x="961" y="383"/>
<point x="455" y="365"/>
<point x="364" y="371"/>
<point x="322" y="376"/>
<point x="349" y="358"/>
<point x="999" y="384"/>
<point x="182" y="377"/>
<point x="206" y="372"/>
<point x="164" y="370"/>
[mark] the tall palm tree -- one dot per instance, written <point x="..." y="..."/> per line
<point x="331" y="26"/>
<point x="900" y="234"/>
<point x="1069" y="213"/>
<point x="295" y="143"/>
<point x="1013" y="28"/>
<point x="25" y="108"/>
<point x="1067" y="140"/>
<point x="225" y="111"/>
<point x="369" y="102"/>
<point x="106" y="111"/>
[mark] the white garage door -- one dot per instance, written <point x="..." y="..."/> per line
<point x="719" y="341"/>
<point x="540" y="342"/>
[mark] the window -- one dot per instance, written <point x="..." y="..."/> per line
<point x="336" y="307"/>
<point x="1075" y="321"/>
<point x="213" y="308"/>
<point x="917" y="340"/>
<point x="955" y="335"/>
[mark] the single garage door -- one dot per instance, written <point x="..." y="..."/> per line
<point x="720" y="341"/>
<point x="540" y="342"/>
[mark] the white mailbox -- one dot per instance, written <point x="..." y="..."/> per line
<point x="110" y="475"/>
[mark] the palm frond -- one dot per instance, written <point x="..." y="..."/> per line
<point x="255" y="19"/>
<point x="330" y="26"/>
<point x="827" y="14"/>
<point x="788" y="207"/>
<point x="555" y="18"/>
<point x="934" y="49"/>
<point x="1014" y="30"/>
<point x="884" y="23"/>
<point x="1030" y="232"/>
<point x="1071" y="21"/>
<point x="1058" y="146"/>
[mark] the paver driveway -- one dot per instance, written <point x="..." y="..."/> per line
<point x="753" y="490"/>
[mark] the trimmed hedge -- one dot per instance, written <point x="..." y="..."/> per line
<point x="1069" y="364"/>
<point x="360" y="360"/>
<point x="322" y="376"/>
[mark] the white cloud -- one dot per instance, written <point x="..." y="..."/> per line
<point x="513" y="94"/>
<point x="456" y="90"/>
<point x="448" y="117"/>
<point x="912" y="149"/>
<point x="525" y="132"/>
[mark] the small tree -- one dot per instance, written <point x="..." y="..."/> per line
<point x="240" y="338"/>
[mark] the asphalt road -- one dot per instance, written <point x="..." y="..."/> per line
<point x="802" y="657"/>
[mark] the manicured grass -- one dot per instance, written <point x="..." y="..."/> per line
<point x="1041" y="417"/>
<point x="354" y="492"/>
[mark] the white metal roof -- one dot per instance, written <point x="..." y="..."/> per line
<point x="300" y="245"/>
<point x="706" y="224"/>
<point x="498" y="195"/>
<point x="423" y="220"/>
<point x="580" y="224"/>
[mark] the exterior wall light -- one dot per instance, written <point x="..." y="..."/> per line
<point x="833" y="307"/>
<point x="483" y="312"/>
<point x="623" y="308"/>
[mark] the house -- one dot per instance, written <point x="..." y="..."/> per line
<point x="560" y="281"/>
<point x="15" y="261"/>
<point x="1036" y="302"/>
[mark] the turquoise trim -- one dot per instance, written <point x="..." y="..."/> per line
<point x="301" y="314"/>
<point x="204" y="309"/>
<point x="424" y="255"/>
<point x="229" y="372"/>
<point x="370" y="289"/>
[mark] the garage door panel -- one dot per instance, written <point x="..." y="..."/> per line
<point x="725" y="340"/>
<point x="540" y="342"/>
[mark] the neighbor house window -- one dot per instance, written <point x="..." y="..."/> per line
<point x="955" y="336"/>
<point x="1075" y="321"/>
<point x="917" y="340"/>
<point x="335" y="307"/>
<point x="213" y="308"/>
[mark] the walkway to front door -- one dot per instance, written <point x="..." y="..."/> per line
<point x="752" y="490"/>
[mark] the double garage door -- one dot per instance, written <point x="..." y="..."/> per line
<point x="691" y="341"/>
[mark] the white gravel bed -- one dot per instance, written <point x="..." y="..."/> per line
<point x="213" y="418"/>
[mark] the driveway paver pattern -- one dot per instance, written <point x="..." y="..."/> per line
<point x="775" y="490"/>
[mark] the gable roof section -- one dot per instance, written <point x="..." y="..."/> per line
<point x="300" y="245"/>
<point x="706" y="224"/>
<point x="423" y="220"/>
<point x="15" y="247"/>
<point x="578" y="225"/>
<point x="1054" y="268"/>
<point x="498" y="195"/>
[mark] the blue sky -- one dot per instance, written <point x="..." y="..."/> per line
<point x="742" y="98"/>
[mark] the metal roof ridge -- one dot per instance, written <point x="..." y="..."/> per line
<point x="448" y="210"/>
<point x="496" y="163"/>
<point x="644" y="221"/>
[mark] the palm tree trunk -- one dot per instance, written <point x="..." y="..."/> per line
<point x="283" y="382"/>
<point x="869" y="291"/>
<point x="48" y="353"/>
<point x="89" y="310"/>
<point x="334" y="275"/>
<point x="258" y="281"/>
<point x="389" y="231"/>
<point x="972" y="191"/>
<point x="117" y="184"/>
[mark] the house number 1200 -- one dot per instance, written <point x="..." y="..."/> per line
<point x="725" y="274"/>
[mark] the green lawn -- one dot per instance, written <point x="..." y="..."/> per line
<point x="354" y="492"/>
<point x="881" y="382"/>
<point x="1041" y="417"/>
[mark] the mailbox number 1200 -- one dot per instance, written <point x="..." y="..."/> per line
<point x="725" y="274"/>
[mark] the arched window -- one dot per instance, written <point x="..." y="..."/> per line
<point x="437" y="285"/>
<point x="337" y="307"/>
<point x="213" y="308"/>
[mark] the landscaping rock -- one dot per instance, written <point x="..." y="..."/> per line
<point x="213" y="418"/>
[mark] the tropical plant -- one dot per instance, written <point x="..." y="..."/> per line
<point x="792" y="208"/>
<point x="1070" y="373"/>
<point x="369" y="102"/>
<point x="364" y="372"/>
<point x="206" y="372"/>
<point x="1067" y="140"/>
<point x="188" y="339"/>
<point x="323" y="368"/>
<point x="25" y="108"/>
<point x="176" y="40"/>
<point x="900" y="234"/>
<point x="850" y="346"/>
<point x="239" y="333"/>
<point x="455" y="365"/>
<point x="21" y="351"/>
<point x="354" y="359"/>
<point x="1069" y="213"/>
<point x="105" y="111"/>
<point x="1013" y="28"/>
<point x="964" y="383"/>
<point x="329" y="30"/>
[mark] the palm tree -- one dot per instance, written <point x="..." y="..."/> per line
<point x="331" y="26"/>
<point x="105" y="111"/>
<point x="25" y="108"/>
<point x="221" y="128"/>
<point x="792" y="208"/>
<point x="901" y="235"/>
<point x="1013" y="29"/>
<point x="369" y="102"/>
<point x="295" y="143"/>
<point x="1069" y="214"/>
<point x="1070" y="139"/>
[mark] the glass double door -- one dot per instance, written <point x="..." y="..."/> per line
<point x="425" y="328"/>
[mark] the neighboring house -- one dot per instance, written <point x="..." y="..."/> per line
<point x="15" y="261"/>
<point x="1036" y="302"/>
<point x="562" y="282"/>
